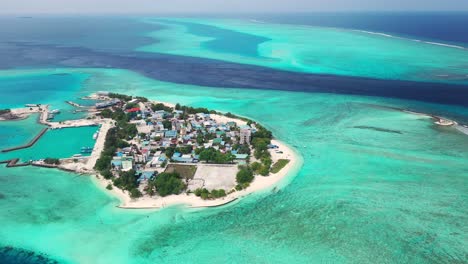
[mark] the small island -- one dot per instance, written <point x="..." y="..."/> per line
<point x="152" y="154"/>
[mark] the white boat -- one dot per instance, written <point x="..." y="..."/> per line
<point x="55" y="111"/>
<point x="77" y="156"/>
<point x="95" y="136"/>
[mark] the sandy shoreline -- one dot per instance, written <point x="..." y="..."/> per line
<point x="260" y="183"/>
<point x="86" y="166"/>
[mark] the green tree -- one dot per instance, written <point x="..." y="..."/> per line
<point x="244" y="175"/>
<point x="169" y="183"/>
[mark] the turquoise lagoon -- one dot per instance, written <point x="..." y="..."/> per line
<point x="43" y="87"/>
<point x="377" y="185"/>
<point x="309" y="49"/>
<point x="56" y="143"/>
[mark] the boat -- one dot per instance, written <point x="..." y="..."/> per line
<point x="95" y="136"/>
<point x="77" y="156"/>
<point x="31" y="105"/>
<point x="86" y="149"/>
<point x="55" y="111"/>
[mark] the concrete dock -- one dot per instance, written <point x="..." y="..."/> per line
<point x="31" y="143"/>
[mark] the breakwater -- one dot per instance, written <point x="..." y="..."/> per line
<point x="32" y="142"/>
<point x="14" y="163"/>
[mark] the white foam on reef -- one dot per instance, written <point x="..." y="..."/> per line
<point x="257" y="21"/>
<point x="416" y="40"/>
<point x="376" y="33"/>
<point x="445" y="45"/>
<point x="462" y="129"/>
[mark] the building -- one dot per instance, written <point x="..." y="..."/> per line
<point x="245" y="135"/>
<point x="170" y="134"/>
<point x="107" y="103"/>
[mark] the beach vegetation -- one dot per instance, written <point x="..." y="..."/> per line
<point x="109" y="187"/>
<point x="160" y="106"/>
<point x="127" y="180"/>
<point x="52" y="161"/>
<point x="279" y="165"/>
<point x="244" y="176"/>
<point x="122" y="97"/>
<point x="168" y="183"/>
<point x="206" y="194"/>
<point x="5" y="111"/>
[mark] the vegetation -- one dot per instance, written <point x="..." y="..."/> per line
<point x="109" y="187"/>
<point x="166" y="184"/>
<point x="185" y="171"/>
<point x="205" y="194"/>
<point x="52" y="161"/>
<point x="131" y="105"/>
<point x="260" y="141"/>
<point x="122" y="97"/>
<point x="159" y="107"/>
<point x="279" y="165"/>
<point x="244" y="177"/>
<point x="215" y="156"/>
<point x="4" y="111"/>
<point x="127" y="180"/>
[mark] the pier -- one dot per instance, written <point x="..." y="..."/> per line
<point x="74" y="104"/>
<point x="32" y="142"/>
<point x="14" y="163"/>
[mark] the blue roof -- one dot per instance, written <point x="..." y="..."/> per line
<point x="117" y="163"/>
<point x="170" y="133"/>
<point x="146" y="175"/>
<point x="180" y="159"/>
<point x="241" y="156"/>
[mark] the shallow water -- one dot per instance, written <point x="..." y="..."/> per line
<point x="377" y="186"/>
<point x="310" y="49"/>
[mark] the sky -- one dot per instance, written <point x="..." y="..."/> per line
<point x="224" y="6"/>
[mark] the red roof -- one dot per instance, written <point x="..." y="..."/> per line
<point x="133" y="110"/>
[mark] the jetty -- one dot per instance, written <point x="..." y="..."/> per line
<point x="31" y="143"/>
<point x="74" y="104"/>
<point x="14" y="163"/>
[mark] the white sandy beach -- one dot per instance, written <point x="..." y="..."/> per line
<point x="260" y="183"/>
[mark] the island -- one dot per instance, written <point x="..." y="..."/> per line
<point x="152" y="154"/>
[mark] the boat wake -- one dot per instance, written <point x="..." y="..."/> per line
<point x="416" y="40"/>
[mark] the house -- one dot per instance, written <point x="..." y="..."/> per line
<point x="178" y="157"/>
<point x="218" y="141"/>
<point x="170" y="134"/>
<point x="107" y="103"/>
<point x="231" y="124"/>
<point x="203" y="116"/>
<point x="127" y="164"/>
<point x="133" y="110"/>
<point x="241" y="158"/>
<point x="116" y="163"/>
<point x="245" y="134"/>
<point x="146" y="175"/>
<point x="160" y="114"/>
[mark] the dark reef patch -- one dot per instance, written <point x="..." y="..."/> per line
<point x="213" y="73"/>
<point x="11" y="255"/>
<point x="379" y="129"/>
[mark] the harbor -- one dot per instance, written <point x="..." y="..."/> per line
<point x="31" y="143"/>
